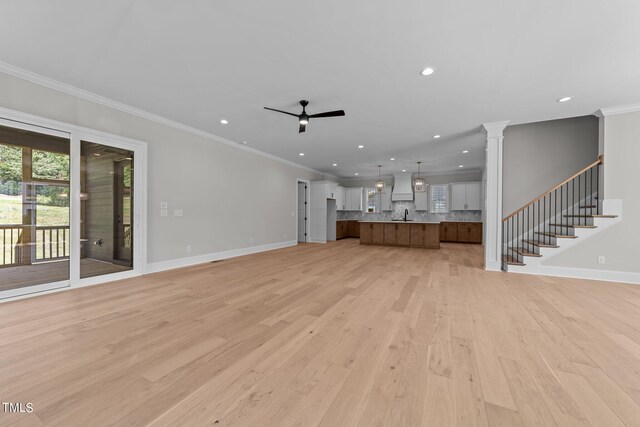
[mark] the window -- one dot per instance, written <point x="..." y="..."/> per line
<point x="439" y="198"/>
<point x="373" y="200"/>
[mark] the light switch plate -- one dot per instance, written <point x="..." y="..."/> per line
<point x="164" y="212"/>
<point x="164" y="205"/>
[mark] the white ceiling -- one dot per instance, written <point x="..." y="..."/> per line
<point x="197" y="62"/>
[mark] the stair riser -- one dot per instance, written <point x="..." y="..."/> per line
<point x="562" y="230"/>
<point x="537" y="265"/>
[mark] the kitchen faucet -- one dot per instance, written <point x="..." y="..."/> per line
<point x="406" y="212"/>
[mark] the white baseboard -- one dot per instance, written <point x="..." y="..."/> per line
<point x="493" y="266"/>
<point x="586" y="273"/>
<point x="155" y="267"/>
<point x="40" y="290"/>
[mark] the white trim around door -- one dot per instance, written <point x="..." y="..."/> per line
<point x="307" y="183"/>
<point x="76" y="134"/>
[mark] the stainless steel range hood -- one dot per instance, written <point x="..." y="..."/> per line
<point x="402" y="189"/>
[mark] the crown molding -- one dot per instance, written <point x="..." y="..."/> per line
<point x="612" y="111"/>
<point x="107" y="102"/>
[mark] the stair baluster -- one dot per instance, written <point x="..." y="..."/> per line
<point x="542" y="221"/>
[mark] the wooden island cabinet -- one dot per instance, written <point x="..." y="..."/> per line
<point x="461" y="232"/>
<point x="347" y="228"/>
<point x="399" y="233"/>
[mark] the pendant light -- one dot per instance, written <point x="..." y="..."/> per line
<point x="419" y="182"/>
<point x="379" y="182"/>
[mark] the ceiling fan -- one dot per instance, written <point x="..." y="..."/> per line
<point x="303" y="117"/>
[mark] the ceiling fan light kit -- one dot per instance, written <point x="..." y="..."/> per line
<point x="303" y="118"/>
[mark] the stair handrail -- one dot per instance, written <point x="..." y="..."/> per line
<point x="600" y="161"/>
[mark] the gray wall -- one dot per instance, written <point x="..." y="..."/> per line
<point x="537" y="156"/>
<point x="619" y="243"/>
<point x="225" y="206"/>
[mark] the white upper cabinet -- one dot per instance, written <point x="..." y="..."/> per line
<point x="332" y="190"/>
<point x="421" y="200"/>
<point x="473" y="196"/>
<point x="458" y="196"/>
<point x="341" y="199"/>
<point x="353" y="199"/>
<point x="385" y="200"/>
<point x="465" y="196"/>
<point x="328" y="188"/>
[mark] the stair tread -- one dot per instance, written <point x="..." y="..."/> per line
<point x="525" y="252"/>
<point x="591" y="216"/>
<point x="540" y="244"/>
<point x="573" y="226"/>
<point x="511" y="260"/>
<point x="556" y="235"/>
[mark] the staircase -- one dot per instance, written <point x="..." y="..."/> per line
<point x="569" y="212"/>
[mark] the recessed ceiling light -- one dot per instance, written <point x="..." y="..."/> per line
<point x="565" y="99"/>
<point x="360" y="146"/>
<point x="356" y="174"/>
<point x="244" y="142"/>
<point x="436" y="136"/>
<point x="335" y="164"/>
<point x="465" y="151"/>
<point x="392" y="159"/>
<point x="460" y="166"/>
<point x="404" y="170"/>
<point x="427" y="71"/>
<point x="301" y="154"/>
<point x="224" y="121"/>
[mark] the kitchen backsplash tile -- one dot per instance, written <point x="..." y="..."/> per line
<point x="398" y="212"/>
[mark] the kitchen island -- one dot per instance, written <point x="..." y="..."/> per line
<point x="415" y="234"/>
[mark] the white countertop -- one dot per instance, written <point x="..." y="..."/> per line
<point x="403" y="222"/>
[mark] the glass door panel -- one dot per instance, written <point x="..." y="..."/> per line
<point x="106" y="198"/>
<point x="34" y="208"/>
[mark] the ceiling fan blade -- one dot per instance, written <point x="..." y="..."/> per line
<point x="302" y="128"/>
<point x="328" y="114"/>
<point x="280" y="111"/>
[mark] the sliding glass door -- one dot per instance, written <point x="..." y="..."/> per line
<point x="70" y="206"/>
<point x="106" y="198"/>
<point x="34" y="207"/>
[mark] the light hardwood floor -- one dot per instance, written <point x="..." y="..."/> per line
<point x="330" y="335"/>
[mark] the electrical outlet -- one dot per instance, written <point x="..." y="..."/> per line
<point x="601" y="260"/>
<point x="189" y="249"/>
<point x="178" y="212"/>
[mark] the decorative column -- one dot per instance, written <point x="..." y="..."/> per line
<point x="493" y="196"/>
